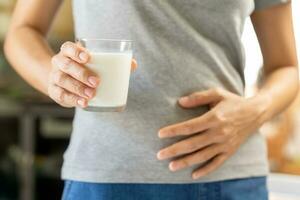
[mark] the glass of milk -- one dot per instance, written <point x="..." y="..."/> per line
<point x="111" y="60"/>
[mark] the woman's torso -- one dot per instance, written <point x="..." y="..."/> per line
<point x="181" y="47"/>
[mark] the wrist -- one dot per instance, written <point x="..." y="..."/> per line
<point x="262" y="104"/>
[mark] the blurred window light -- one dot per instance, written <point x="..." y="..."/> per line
<point x="252" y="51"/>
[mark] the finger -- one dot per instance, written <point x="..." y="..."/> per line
<point x="133" y="65"/>
<point x="65" y="98"/>
<point x="72" y="85"/>
<point x="76" y="70"/>
<point x="198" y="157"/>
<point x="201" y="98"/>
<point x="211" y="166"/>
<point x="189" y="145"/>
<point x="189" y="127"/>
<point x="75" y="52"/>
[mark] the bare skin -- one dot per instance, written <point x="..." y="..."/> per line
<point x="63" y="76"/>
<point x="214" y="136"/>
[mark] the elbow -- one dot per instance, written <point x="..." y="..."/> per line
<point x="9" y="47"/>
<point x="9" y="41"/>
<point x="6" y="46"/>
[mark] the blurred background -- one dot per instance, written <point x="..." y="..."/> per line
<point x="34" y="132"/>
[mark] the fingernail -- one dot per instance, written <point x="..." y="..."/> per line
<point x="172" y="166"/>
<point x="159" y="155"/>
<point x="195" y="176"/>
<point x="81" y="102"/>
<point x="83" y="56"/>
<point x="89" y="92"/>
<point x="93" y="80"/>
<point x="160" y="134"/>
<point x="183" y="100"/>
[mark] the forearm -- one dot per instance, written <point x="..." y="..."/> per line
<point x="30" y="55"/>
<point x="278" y="90"/>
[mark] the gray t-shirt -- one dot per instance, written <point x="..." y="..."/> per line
<point x="181" y="46"/>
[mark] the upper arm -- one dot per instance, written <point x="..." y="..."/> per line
<point x="274" y="30"/>
<point x="36" y="14"/>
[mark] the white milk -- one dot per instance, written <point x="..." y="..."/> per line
<point x="114" y="72"/>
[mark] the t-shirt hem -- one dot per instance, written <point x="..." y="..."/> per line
<point x="227" y="173"/>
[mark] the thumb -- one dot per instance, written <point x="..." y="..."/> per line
<point x="210" y="96"/>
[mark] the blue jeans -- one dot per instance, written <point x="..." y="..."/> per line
<point x="239" y="189"/>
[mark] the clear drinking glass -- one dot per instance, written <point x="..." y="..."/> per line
<point x="111" y="60"/>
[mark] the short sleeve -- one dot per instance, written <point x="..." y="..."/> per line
<point x="261" y="4"/>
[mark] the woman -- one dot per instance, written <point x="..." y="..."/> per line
<point x="203" y="146"/>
